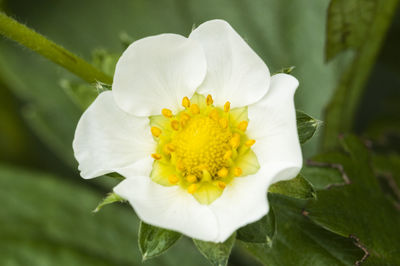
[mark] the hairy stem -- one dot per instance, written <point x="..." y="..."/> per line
<point x="27" y="37"/>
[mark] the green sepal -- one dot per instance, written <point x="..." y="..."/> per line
<point x="80" y="93"/>
<point x="297" y="187"/>
<point x="153" y="241"/>
<point x="261" y="231"/>
<point x="306" y="126"/>
<point x="216" y="253"/>
<point x="110" y="198"/>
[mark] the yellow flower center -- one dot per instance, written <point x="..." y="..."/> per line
<point x="202" y="148"/>
<point x="200" y="145"/>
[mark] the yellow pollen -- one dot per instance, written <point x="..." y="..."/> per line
<point x="227" y="107"/>
<point x="250" y="142"/>
<point x="243" y="125"/>
<point x="223" y="122"/>
<point x="155" y="131"/>
<point x="184" y="119"/>
<point x="166" y="112"/>
<point x="227" y="155"/>
<point x="223" y="172"/>
<point x="192" y="188"/>
<point x="175" y="125"/>
<point x="173" y="179"/>
<point x="221" y="185"/>
<point x="209" y="99"/>
<point x="237" y="171"/>
<point x="194" y="108"/>
<point x="156" y="156"/>
<point x="201" y="145"/>
<point x="185" y="102"/>
<point x="191" y="178"/>
<point x="180" y="166"/>
<point x="214" y="115"/>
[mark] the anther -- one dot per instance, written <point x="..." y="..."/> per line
<point x="156" y="156"/>
<point x="235" y="141"/>
<point x="168" y="148"/>
<point x="185" y="102"/>
<point x="209" y="99"/>
<point x="191" y="178"/>
<point x="194" y="108"/>
<point x="166" y="112"/>
<point x="250" y="142"/>
<point x="223" y="172"/>
<point x="214" y="115"/>
<point x="180" y="166"/>
<point x="223" y="122"/>
<point x="221" y="184"/>
<point x="243" y="125"/>
<point x="173" y="179"/>
<point x="227" y="155"/>
<point x="227" y="106"/>
<point x="237" y="171"/>
<point x="155" y="131"/>
<point x="175" y="125"/>
<point x="192" y="188"/>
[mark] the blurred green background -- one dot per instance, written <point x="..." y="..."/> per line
<point x="45" y="217"/>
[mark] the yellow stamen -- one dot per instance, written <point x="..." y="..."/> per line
<point x="221" y="185"/>
<point x="175" y="125"/>
<point x="227" y="155"/>
<point x="166" y="112"/>
<point x="173" y="179"/>
<point x="223" y="172"/>
<point x="250" y="142"/>
<point x="156" y="156"/>
<point x="192" y="188"/>
<point x="209" y="99"/>
<point x="194" y="108"/>
<point x="214" y="115"/>
<point x="155" y="131"/>
<point x="223" y="122"/>
<point x="243" y="125"/>
<point x="227" y="106"/>
<point x="235" y="140"/>
<point x="185" y="102"/>
<point x="191" y="178"/>
<point x="168" y="148"/>
<point x="237" y="171"/>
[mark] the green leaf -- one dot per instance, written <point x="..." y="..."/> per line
<point x="153" y="241"/>
<point x="216" y="253"/>
<point x="350" y="24"/>
<point x="359" y="210"/>
<point x="297" y="187"/>
<point x="261" y="231"/>
<point x="110" y="198"/>
<point x="298" y="241"/>
<point x="306" y="126"/>
<point x="46" y="220"/>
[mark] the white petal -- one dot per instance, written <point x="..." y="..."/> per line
<point x="273" y="126"/>
<point x="168" y="207"/>
<point x="107" y="139"/>
<point x="157" y="72"/>
<point x="235" y="72"/>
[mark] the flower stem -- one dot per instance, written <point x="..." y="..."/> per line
<point x="27" y="37"/>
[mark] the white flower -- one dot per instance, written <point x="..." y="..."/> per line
<point x="204" y="166"/>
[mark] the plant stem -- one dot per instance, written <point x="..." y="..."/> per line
<point x="341" y="110"/>
<point x="27" y="37"/>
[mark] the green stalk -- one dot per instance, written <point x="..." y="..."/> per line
<point x="341" y="110"/>
<point x="27" y="37"/>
